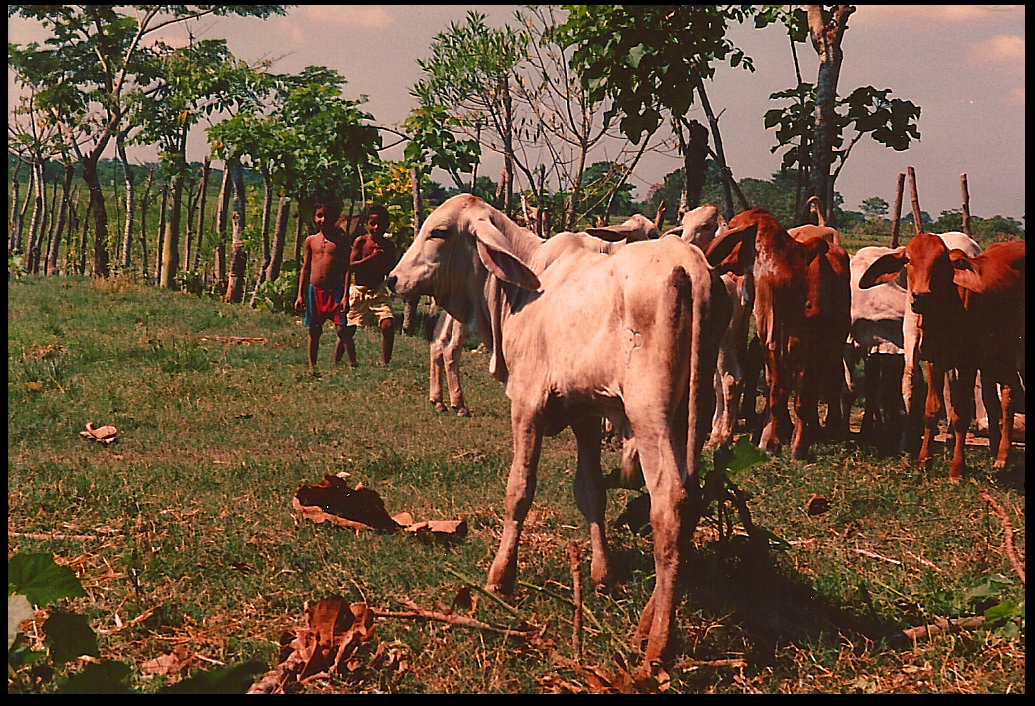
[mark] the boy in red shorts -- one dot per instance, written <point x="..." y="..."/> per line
<point x="324" y="278"/>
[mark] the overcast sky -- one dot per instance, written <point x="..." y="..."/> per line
<point x="963" y="65"/>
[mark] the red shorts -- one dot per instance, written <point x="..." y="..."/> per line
<point x="323" y="305"/>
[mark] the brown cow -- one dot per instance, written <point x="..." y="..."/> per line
<point x="575" y="334"/>
<point x="971" y="318"/>
<point x="802" y="315"/>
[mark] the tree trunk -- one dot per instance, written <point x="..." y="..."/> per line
<point x="897" y="216"/>
<point x="62" y="219"/>
<point x="267" y="207"/>
<point x="160" y="244"/>
<point x="193" y="195"/>
<point x="713" y="121"/>
<point x="32" y="247"/>
<point x="826" y="39"/>
<point x="239" y="259"/>
<point x="14" y="233"/>
<point x="143" y="222"/>
<point x="914" y="199"/>
<point x="100" y="217"/>
<point x="85" y="232"/>
<point x="171" y="242"/>
<point x="965" y="193"/>
<point x="206" y="170"/>
<point x="127" y="238"/>
<point x="279" y="239"/>
<point x="695" y="153"/>
<point x="221" y="214"/>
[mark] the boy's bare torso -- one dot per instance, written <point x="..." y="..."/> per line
<point x="329" y="260"/>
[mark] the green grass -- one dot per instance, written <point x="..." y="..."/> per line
<point x="187" y="520"/>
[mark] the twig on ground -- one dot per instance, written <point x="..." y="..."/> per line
<point x="509" y="608"/>
<point x="875" y="555"/>
<point x="938" y="627"/>
<point x="415" y="612"/>
<point x="1011" y="553"/>
<point x="576" y="581"/>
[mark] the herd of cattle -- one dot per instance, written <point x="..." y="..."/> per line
<point x="651" y="333"/>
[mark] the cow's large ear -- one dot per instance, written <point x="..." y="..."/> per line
<point x="677" y="231"/>
<point x="720" y="253"/>
<point x="612" y="234"/>
<point x="883" y="270"/>
<point x="963" y="272"/>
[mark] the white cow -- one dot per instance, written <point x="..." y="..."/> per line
<point x="446" y="335"/>
<point x="576" y="334"/>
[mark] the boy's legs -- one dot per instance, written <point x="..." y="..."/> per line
<point x="387" y="339"/>
<point x="342" y="344"/>
<point x="314" y="343"/>
<point x="349" y="343"/>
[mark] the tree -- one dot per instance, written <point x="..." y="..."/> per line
<point x="874" y="207"/>
<point x="93" y="60"/>
<point x="470" y="73"/>
<point x="314" y="141"/>
<point x="814" y="108"/>
<point x="645" y="58"/>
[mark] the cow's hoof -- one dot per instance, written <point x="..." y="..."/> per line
<point x="439" y="407"/>
<point x="463" y="412"/>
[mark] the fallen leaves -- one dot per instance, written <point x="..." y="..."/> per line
<point x="328" y="643"/>
<point x="332" y="500"/>
<point x="106" y="434"/>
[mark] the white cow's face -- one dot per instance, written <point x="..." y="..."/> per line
<point x="438" y="256"/>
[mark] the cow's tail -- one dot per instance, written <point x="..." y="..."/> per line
<point x="711" y="310"/>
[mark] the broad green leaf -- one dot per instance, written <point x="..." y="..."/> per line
<point x="226" y="680"/>
<point x="108" y="677"/>
<point x="69" y="636"/>
<point x="1006" y="609"/>
<point x="39" y="579"/>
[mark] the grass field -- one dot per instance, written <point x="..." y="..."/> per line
<point x="184" y="536"/>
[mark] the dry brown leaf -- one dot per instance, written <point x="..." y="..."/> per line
<point x="162" y="664"/>
<point x="332" y="500"/>
<point x="106" y="434"/>
<point x="817" y="505"/>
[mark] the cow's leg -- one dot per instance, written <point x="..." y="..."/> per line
<point x="670" y="509"/>
<point x="590" y="496"/>
<point x="806" y="411"/>
<point x="454" y="346"/>
<point x="528" y="439"/>
<point x="890" y="400"/>
<point x="960" y="417"/>
<point x="871" y="412"/>
<point x="435" y="387"/>
<point x="913" y="391"/>
<point x="932" y="412"/>
<point x="778" y="394"/>
<point x="1000" y="410"/>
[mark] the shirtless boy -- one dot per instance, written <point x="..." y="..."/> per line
<point x="324" y="278"/>
<point x="373" y="257"/>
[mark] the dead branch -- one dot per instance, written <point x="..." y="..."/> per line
<point x="942" y="625"/>
<point x="576" y="580"/>
<point x="415" y="612"/>
<point x="1011" y="553"/>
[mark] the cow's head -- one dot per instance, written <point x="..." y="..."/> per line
<point x="928" y="267"/>
<point x="460" y="245"/>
